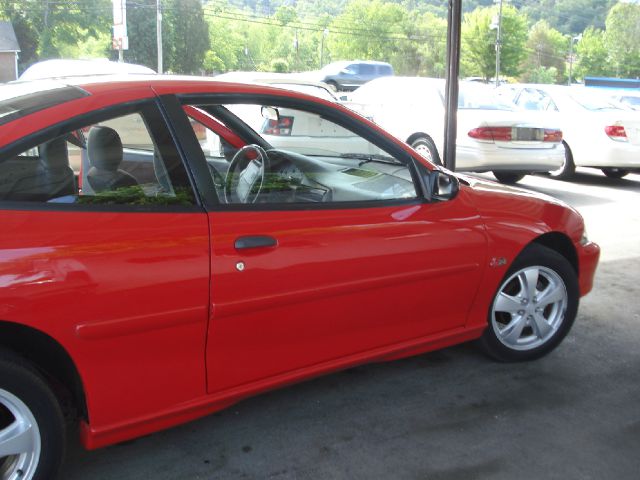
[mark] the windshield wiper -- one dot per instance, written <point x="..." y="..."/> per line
<point x="371" y="157"/>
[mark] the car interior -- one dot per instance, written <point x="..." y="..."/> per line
<point x="289" y="165"/>
<point x="298" y="157"/>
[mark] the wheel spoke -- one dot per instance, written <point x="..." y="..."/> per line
<point x="528" y="281"/>
<point x="540" y="325"/>
<point x="512" y="332"/>
<point x="507" y="303"/>
<point x="15" y="439"/>
<point x="552" y="294"/>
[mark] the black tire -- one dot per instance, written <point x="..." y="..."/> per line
<point x="499" y="340"/>
<point x="333" y="85"/>
<point x="615" y="172"/>
<point x="425" y="147"/>
<point x="25" y="391"/>
<point x="568" y="168"/>
<point x="508" y="177"/>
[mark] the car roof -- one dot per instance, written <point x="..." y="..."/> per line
<point x="67" y="97"/>
<point x="99" y="84"/>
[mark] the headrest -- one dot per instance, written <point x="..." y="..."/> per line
<point x="54" y="154"/>
<point x="104" y="148"/>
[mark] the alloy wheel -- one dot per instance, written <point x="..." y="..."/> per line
<point x="529" y="308"/>
<point x="20" y="444"/>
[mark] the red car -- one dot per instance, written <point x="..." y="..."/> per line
<point x="160" y="260"/>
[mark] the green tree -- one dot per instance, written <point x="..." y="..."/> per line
<point x="542" y="75"/>
<point x="622" y="39"/>
<point x="431" y="48"/>
<point x="185" y="36"/>
<point x="569" y="16"/>
<point x="44" y="28"/>
<point x="478" y="55"/>
<point x="546" y="48"/>
<point x="26" y="34"/>
<point x="141" y="29"/>
<point x="592" y="57"/>
<point x="367" y="30"/>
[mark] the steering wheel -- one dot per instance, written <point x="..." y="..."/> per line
<point x="246" y="174"/>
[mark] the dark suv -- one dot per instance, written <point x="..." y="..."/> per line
<point x="349" y="75"/>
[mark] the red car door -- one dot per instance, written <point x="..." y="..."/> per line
<point x="305" y="276"/>
<point x="338" y="283"/>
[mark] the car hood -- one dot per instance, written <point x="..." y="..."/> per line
<point x="521" y="210"/>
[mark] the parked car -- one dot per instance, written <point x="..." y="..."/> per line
<point x="135" y="305"/>
<point x="628" y="99"/>
<point x="597" y="132"/>
<point x="491" y="135"/>
<point x="289" y="81"/>
<point x="349" y="75"/>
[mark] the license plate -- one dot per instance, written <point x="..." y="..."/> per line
<point x="526" y="134"/>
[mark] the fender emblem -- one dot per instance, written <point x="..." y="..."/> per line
<point x="498" y="262"/>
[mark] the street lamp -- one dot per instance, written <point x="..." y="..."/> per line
<point x="573" y="39"/>
<point x="496" y="24"/>
<point x="325" y="34"/>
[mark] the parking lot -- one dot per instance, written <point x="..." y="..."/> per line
<point x="452" y="414"/>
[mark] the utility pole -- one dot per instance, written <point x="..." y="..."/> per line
<point x="451" y="85"/>
<point x="498" y="43"/>
<point x="159" y="34"/>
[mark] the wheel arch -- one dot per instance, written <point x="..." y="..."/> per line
<point x="51" y="359"/>
<point x="562" y="244"/>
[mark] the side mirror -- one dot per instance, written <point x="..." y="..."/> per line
<point x="445" y="186"/>
<point x="270" y="113"/>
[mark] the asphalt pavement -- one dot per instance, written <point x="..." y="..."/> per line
<point x="448" y="415"/>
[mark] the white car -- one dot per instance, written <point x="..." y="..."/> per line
<point x="492" y="136"/>
<point x="628" y="99"/>
<point x="58" y="68"/>
<point x="597" y="132"/>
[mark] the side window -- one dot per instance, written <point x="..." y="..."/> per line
<point x="367" y="69"/>
<point x="114" y="161"/>
<point x="300" y="157"/>
<point x="353" y="69"/>
<point x="547" y="103"/>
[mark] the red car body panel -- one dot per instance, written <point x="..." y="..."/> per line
<point x="185" y="332"/>
<point x="132" y="332"/>
<point x="363" y="282"/>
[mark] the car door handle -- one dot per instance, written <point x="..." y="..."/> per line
<point x="255" y="241"/>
